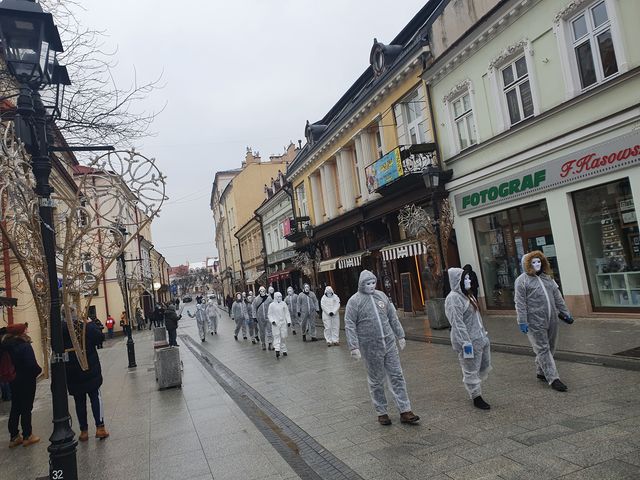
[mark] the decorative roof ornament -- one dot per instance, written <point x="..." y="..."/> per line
<point x="570" y="9"/>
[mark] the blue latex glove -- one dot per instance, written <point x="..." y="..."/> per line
<point x="524" y="328"/>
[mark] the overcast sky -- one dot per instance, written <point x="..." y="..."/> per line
<point x="236" y="74"/>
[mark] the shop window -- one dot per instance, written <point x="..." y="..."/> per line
<point x="610" y="240"/>
<point x="503" y="238"/>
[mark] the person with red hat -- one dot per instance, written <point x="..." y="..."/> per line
<point x="23" y="386"/>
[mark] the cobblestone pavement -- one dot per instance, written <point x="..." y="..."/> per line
<point x="212" y="428"/>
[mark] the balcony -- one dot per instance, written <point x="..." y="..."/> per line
<point x="297" y="228"/>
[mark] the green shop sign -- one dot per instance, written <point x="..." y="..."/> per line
<point x="606" y="157"/>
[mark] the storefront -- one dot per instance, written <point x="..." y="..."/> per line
<point x="578" y="208"/>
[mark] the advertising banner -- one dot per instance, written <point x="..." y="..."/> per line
<point x="384" y="170"/>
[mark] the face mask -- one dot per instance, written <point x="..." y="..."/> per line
<point x="370" y="287"/>
<point x="244" y="295"/>
<point x="238" y="297"/>
<point x="290" y="291"/>
<point x="537" y="264"/>
<point x="329" y="294"/>
<point x="271" y="290"/>
<point x="278" y="298"/>
<point x="262" y="291"/>
<point x="306" y="289"/>
<point x="467" y="282"/>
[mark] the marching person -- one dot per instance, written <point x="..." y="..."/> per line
<point x="330" y="305"/>
<point x="240" y="314"/>
<point x="110" y="323"/>
<point x="261" y="309"/>
<point x="372" y="327"/>
<point x="82" y="383"/>
<point x="17" y="343"/>
<point x="280" y="320"/>
<point x="307" y="311"/>
<point x="468" y="336"/>
<point x="539" y="304"/>
<point x="211" y="311"/>
<point x="251" y="323"/>
<point x="292" y="304"/>
<point x="201" y="320"/>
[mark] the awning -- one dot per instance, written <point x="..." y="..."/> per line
<point x="252" y="275"/>
<point x="351" y="260"/>
<point x="278" y="274"/>
<point x="327" y="265"/>
<point x="403" y="250"/>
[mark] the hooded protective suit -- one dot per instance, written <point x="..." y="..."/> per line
<point x="372" y="326"/>
<point x="211" y="311"/>
<point x="280" y="320"/>
<point x="201" y="320"/>
<point x="252" y="326"/>
<point x="466" y="326"/>
<point x="292" y="303"/>
<point x="261" y="309"/>
<point x="538" y="302"/>
<point x="330" y="305"/>
<point x="307" y="308"/>
<point x="240" y="314"/>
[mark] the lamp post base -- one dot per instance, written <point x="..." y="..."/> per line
<point x="62" y="461"/>
<point x="131" y="350"/>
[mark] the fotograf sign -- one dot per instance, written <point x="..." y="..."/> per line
<point x="616" y="154"/>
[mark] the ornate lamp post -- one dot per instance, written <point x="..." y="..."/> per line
<point x="122" y="279"/>
<point x="434" y="180"/>
<point x="30" y="41"/>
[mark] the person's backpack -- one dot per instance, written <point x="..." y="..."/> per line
<point x="7" y="369"/>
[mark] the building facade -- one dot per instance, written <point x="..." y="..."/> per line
<point x="537" y="113"/>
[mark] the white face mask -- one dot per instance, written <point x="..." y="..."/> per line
<point x="467" y="282"/>
<point x="537" y="264"/>
<point x="271" y="290"/>
<point x="262" y="291"/>
<point x="329" y="294"/>
<point x="290" y="291"/>
<point x="238" y="297"/>
<point x="306" y="289"/>
<point x="278" y="298"/>
<point x="370" y="287"/>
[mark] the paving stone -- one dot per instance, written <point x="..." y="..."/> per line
<point x="542" y="434"/>
<point x="494" y="467"/>
<point x="609" y="470"/>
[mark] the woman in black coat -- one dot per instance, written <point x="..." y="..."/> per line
<point x="83" y="383"/>
<point x="23" y="386"/>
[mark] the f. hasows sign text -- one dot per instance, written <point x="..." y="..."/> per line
<point x="603" y="158"/>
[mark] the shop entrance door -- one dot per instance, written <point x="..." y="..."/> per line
<point x="543" y="241"/>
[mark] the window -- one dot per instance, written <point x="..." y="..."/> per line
<point x="301" y="197"/>
<point x="412" y="109"/>
<point x="517" y="90"/>
<point x="593" y="45"/>
<point x="464" y="123"/>
<point x="606" y="217"/>
<point x="378" y="138"/>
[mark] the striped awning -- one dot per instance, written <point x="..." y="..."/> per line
<point x="351" y="260"/>
<point x="328" y="265"/>
<point x="403" y="250"/>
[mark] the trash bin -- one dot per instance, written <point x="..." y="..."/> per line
<point x="168" y="367"/>
<point x="435" y="314"/>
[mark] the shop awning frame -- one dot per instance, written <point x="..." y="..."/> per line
<point x="405" y="249"/>
<point x="328" y="265"/>
<point x="253" y="275"/>
<point x="278" y="274"/>
<point x="351" y="260"/>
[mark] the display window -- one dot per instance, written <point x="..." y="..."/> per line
<point x="503" y="238"/>
<point x="610" y="241"/>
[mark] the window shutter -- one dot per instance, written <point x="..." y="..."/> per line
<point x="402" y="131"/>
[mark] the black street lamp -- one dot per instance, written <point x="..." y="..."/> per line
<point x="434" y="180"/>
<point x="30" y="41"/>
<point x="131" y="350"/>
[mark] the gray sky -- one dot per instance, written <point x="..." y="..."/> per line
<point x="236" y="73"/>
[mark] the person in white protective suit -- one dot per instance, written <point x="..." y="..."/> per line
<point x="211" y="311"/>
<point x="271" y="291"/>
<point x="539" y="304"/>
<point x="292" y="304"/>
<point x="280" y="319"/>
<point x="468" y="336"/>
<point x="330" y="305"/>
<point x="201" y="320"/>
<point x="261" y="309"/>
<point x="252" y="325"/>
<point x="372" y="327"/>
<point x="307" y="310"/>
<point x="240" y="314"/>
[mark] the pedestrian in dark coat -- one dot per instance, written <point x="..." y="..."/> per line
<point x="171" y="319"/>
<point x="229" y="303"/>
<point x="23" y="387"/>
<point x="82" y="383"/>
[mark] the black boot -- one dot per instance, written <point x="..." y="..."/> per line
<point x="236" y="337"/>
<point x="479" y="402"/>
<point x="294" y="332"/>
<point x="304" y="338"/>
<point x="278" y="354"/>
<point x="284" y="354"/>
<point x="558" y="385"/>
<point x="314" y="339"/>
<point x="270" y="347"/>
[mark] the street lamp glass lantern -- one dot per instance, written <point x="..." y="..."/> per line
<point x="431" y="176"/>
<point x="30" y="41"/>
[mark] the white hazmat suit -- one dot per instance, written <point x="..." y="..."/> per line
<point x="467" y="328"/>
<point x="280" y="320"/>
<point x="538" y="302"/>
<point x="251" y="324"/>
<point x="292" y="303"/>
<point x="261" y="309"/>
<point x="372" y="327"/>
<point x="211" y="310"/>
<point x="330" y="305"/>
<point x="240" y="314"/>
<point x="307" y="311"/>
<point x="201" y="320"/>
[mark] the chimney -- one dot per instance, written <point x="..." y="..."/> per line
<point x="299" y="144"/>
